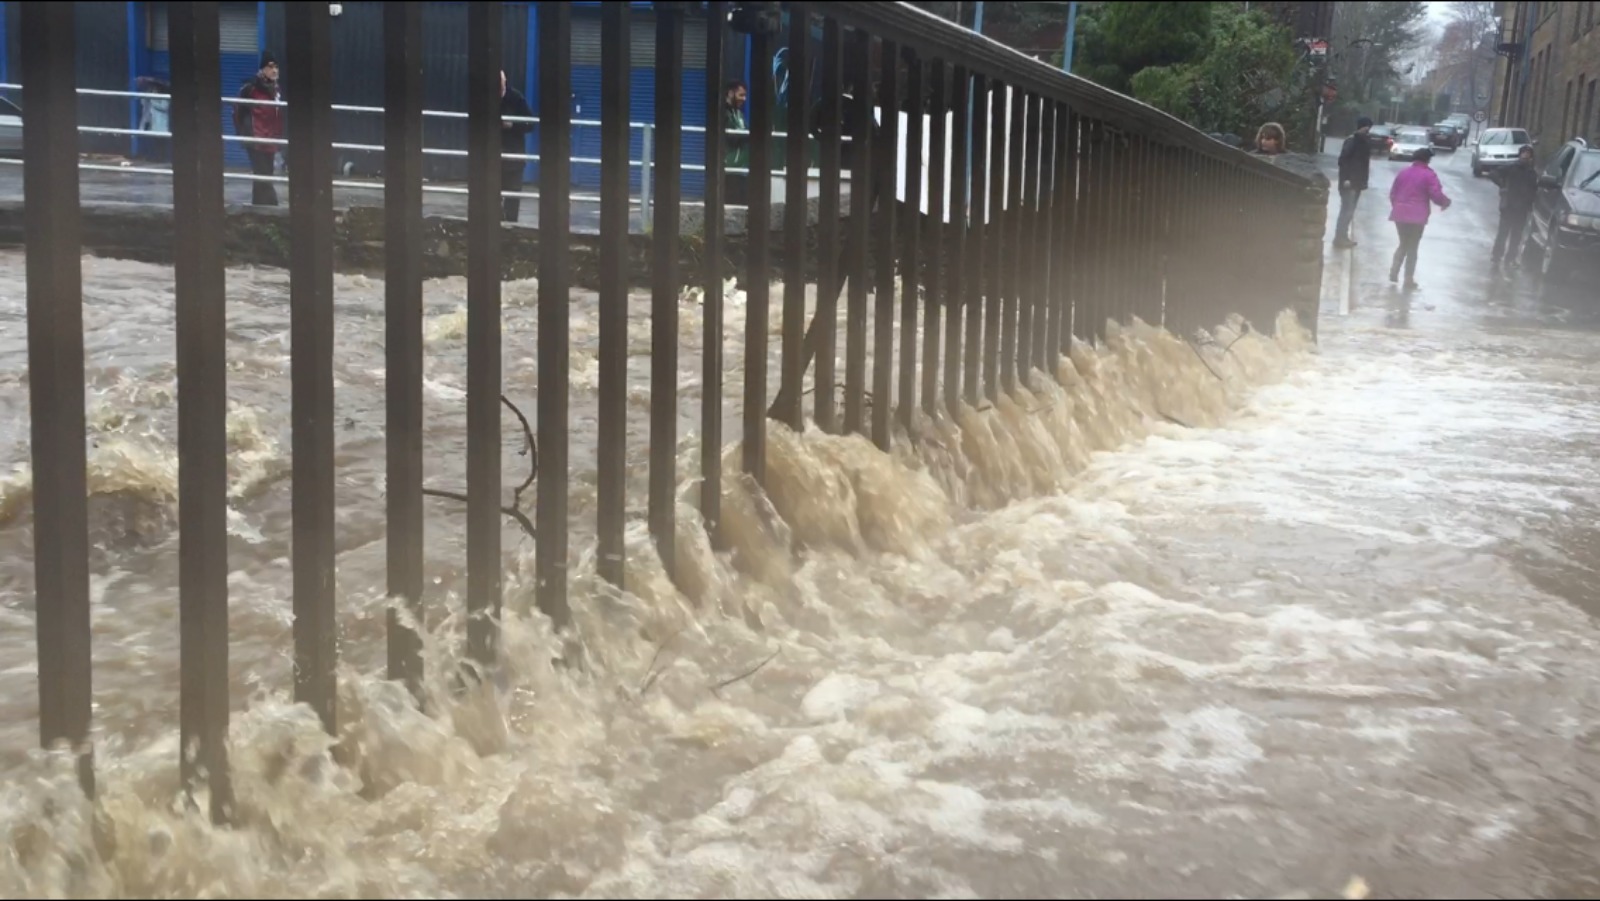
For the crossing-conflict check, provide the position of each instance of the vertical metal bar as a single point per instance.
(310, 158)
(978, 234)
(55, 379)
(885, 151)
(647, 143)
(1163, 181)
(555, 286)
(711, 312)
(1139, 179)
(1066, 246)
(1114, 194)
(758, 291)
(484, 565)
(829, 276)
(1056, 237)
(936, 264)
(1096, 226)
(797, 164)
(996, 255)
(955, 292)
(911, 275)
(1027, 266)
(612, 465)
(1044, 233)
(200, 294)
(402, 210)
(859, 228)
(664, 285)
(1090, 259)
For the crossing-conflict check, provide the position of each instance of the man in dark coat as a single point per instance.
(1519, 185)
(513, 139)
(1355, 167)
(260, 120)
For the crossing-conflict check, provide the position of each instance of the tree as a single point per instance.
(1466, 50)
(1244, 73)
(1116, 41)
(1370, 38)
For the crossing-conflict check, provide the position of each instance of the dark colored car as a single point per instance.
(1445, 134)
(1380, 138)
(1564, 232)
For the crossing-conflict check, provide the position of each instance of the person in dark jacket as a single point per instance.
(737, 156)
(258, 120)
(513, 139)
(1355, 167)
(1518, 186)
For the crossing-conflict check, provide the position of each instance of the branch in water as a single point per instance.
(530, 448)
(717, 689)
(521, 518)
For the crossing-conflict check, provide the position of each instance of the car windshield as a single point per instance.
(1502, 138)
(1586, 171)
(1413, 134)
(1382, 130)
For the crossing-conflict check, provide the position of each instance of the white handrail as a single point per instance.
(644, 164)
(378, 110)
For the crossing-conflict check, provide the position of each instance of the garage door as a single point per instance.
(642, 85)
(241, 57)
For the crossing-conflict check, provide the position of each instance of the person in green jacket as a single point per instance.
(737, 156)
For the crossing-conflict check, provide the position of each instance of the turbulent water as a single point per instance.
(1226, 618)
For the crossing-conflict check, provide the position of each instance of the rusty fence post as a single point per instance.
(664, 285)
(200, 294)
(403, 345)
(310, 160)
(758, 287)
(611, 475)
(555, 283)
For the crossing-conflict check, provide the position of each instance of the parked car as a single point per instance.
(1497, 148)
(1445, 134)
(1564, 232)
(1463, 124)
(1407, 141)
(10, 128)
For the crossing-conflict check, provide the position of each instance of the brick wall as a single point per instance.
(1553, 89)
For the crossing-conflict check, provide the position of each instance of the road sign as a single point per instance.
(1480, 116)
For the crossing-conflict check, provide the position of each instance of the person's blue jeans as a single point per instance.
(1348, 198)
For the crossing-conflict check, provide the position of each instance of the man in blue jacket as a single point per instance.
(1355, 166)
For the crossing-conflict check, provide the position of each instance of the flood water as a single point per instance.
(1293, 620)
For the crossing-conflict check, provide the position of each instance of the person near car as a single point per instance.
(1411, 198)
(261, 119)
(1355, 167)
(513, 140)
(1271, 140)
(1519, 185)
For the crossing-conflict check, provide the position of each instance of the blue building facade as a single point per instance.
(122, 40)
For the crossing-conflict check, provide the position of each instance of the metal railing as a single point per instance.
(646, 162)
(1082, 206)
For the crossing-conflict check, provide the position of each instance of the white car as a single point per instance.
(1407, 141)
(10, 128)
(1497, 148)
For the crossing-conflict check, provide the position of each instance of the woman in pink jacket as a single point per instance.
(1414, 189)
